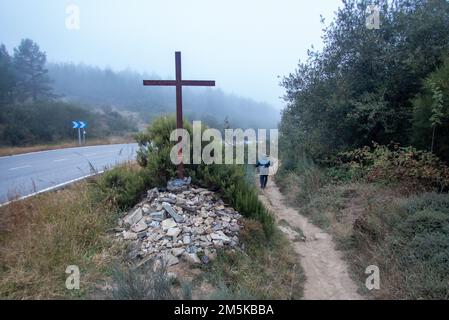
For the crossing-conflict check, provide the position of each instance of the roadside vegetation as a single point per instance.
(396, 220)
(43, 235)
(28, 126)
(363, 143)
(31, 113)
(10, 151)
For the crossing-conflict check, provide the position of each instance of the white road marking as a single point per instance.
(89, 154)
(69, 149)
(18, 168)
(60, 160)
(58, 186)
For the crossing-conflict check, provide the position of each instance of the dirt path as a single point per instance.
(326, 273)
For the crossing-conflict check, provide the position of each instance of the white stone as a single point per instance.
(139, 226)
(170, 260)
(127, 235)
(177, 251)
(191, 258)
(168, 223)
(173, 232)
(186, 239)
(134, 217)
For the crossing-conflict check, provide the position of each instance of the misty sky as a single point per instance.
(243, 45)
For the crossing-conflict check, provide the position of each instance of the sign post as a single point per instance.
(80, 125)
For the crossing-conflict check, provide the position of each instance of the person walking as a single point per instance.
(263, 164)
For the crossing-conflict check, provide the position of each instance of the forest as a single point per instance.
(39, 100)
(372, 86)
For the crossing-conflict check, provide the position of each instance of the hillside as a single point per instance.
(124, 91)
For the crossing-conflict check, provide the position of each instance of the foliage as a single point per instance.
(304, 177)
(431, 113)
(32, 78)
(360, 87)
(123, 89)
(229, 180)
(144, 283)
(51, 121)
(267, 268)
(7, 76)
(414, 168)
(155, 147)
(121, 187)
(41, 236)
(416, 234)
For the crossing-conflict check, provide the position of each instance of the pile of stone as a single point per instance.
(184, 223)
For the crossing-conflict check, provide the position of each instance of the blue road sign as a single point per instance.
(79, 124)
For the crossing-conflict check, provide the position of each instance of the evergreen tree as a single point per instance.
(32, 79)
(7, 76)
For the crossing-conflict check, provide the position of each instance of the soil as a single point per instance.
(326, 272)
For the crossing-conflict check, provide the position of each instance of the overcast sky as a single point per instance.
(242, 44)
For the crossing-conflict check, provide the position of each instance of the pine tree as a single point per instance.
(32, 79)
(7, 76)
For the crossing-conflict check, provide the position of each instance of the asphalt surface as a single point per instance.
(27, 174)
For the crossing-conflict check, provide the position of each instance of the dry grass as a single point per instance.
(264, 270)
(9, 151)
(41, 236)
(374, 225)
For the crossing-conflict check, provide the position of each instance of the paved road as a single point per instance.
(26, 174)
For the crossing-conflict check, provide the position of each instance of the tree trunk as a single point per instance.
(433, 139)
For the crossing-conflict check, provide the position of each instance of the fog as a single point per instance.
(243, 45)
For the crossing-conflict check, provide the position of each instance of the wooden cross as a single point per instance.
(179, 83)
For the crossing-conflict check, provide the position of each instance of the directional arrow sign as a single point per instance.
(79, 124)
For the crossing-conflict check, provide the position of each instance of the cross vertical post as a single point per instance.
(179, 83)
(179, 109)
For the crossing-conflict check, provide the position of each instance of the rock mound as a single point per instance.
(188, 224)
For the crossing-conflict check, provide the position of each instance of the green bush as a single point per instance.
(155, 147)
(415, 169)
(421, 241)
(413, 236)
(230, 181)
(51, 121)
(304, 178)
(122, 186)
(144, 283)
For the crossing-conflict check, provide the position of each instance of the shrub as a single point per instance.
(303, 180)
(121, 187)
(155, 147)
(266, 269)
(230, 181)
(410, 241)
(421, 241)
(413, 168)
(144, 283)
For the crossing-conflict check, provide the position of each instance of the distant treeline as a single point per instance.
(124, 90)
(50, 122)
(30, 111)
(368, 85)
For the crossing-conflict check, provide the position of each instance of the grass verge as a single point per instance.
(10, 151)
(266, 269)
(41, 236)
(406, 236)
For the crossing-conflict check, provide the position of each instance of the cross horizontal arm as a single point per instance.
(159, 82)
(198, 83)
(191, 83)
